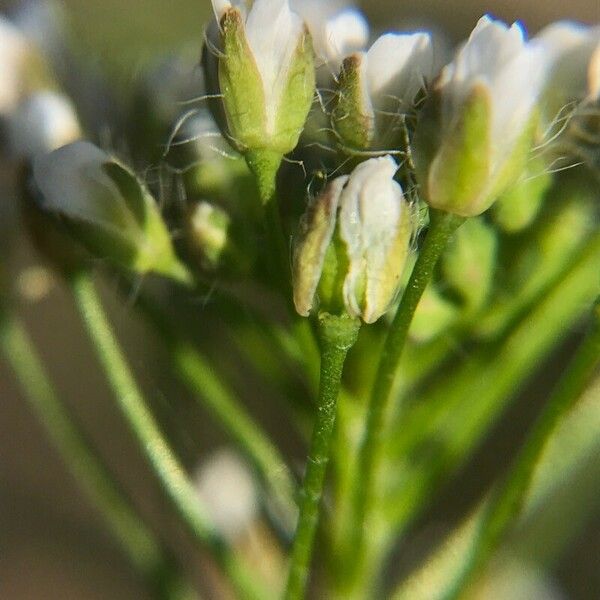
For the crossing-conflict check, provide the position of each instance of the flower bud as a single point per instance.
(353, 244)
(105, 208)
(475, 139)
(43, 122)
(208, 228)
(265, 74)
(377, 87)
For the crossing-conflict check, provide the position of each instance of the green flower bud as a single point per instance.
(353, 244)
(265, 74)
(377, 87)
(106, 208)
(475, 139)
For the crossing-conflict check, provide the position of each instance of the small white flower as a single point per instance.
(227, 490)
(365, 218)
(273, 33)
(377, 86)
(512, 72)
(489, 96)
(41, 123)
(573, 52)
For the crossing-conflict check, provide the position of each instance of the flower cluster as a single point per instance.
(333, 204)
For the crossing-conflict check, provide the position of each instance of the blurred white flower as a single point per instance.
(106, 208)
(273, 33)
(573, 51)
(337, 30)
(365, 219)
(41, 123)
(228, 492)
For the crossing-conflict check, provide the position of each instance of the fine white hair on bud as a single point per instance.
(105, 208)
(377, 86)
(43, 122)
(353, 244)
(488, 99)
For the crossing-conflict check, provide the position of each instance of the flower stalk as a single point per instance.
(338, 335)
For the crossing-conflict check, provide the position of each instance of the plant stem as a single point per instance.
(199, 376)
(507, 501)
(338, 335)
(442, 226)
(160, 456)
(137, 540)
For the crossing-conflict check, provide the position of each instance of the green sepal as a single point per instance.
(353, 118)
(458, 177)
(241, 85)
(297, 98)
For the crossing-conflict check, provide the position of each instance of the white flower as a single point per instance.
(337, 30)
(510, 71)
(228, 491)
(573, 51)
(41, 123)
(365, 218)
(489, 96)
(273, 33)
(105, 207)
(377, 86)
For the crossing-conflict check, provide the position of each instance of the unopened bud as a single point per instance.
(353, 244)
(265, 74)
(475, 140)
(379, 86)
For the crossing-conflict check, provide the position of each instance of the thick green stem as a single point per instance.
(160, 456)
(199, 376)
(338, 335)
(442, 226)
(137, 540)
(507, 501)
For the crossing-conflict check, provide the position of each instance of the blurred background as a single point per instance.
(52, 543)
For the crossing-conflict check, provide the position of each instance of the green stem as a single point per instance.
(137, 540)
(338, 335)
(165, 465)
(442, 226)
(507, 501)
(199, 376)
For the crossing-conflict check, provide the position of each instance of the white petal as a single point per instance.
(398, 65)
(571, 48)
(370, 208)
(72, 182)
(220, 7)
(273, 33)
(345, 33)
(42, 123)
